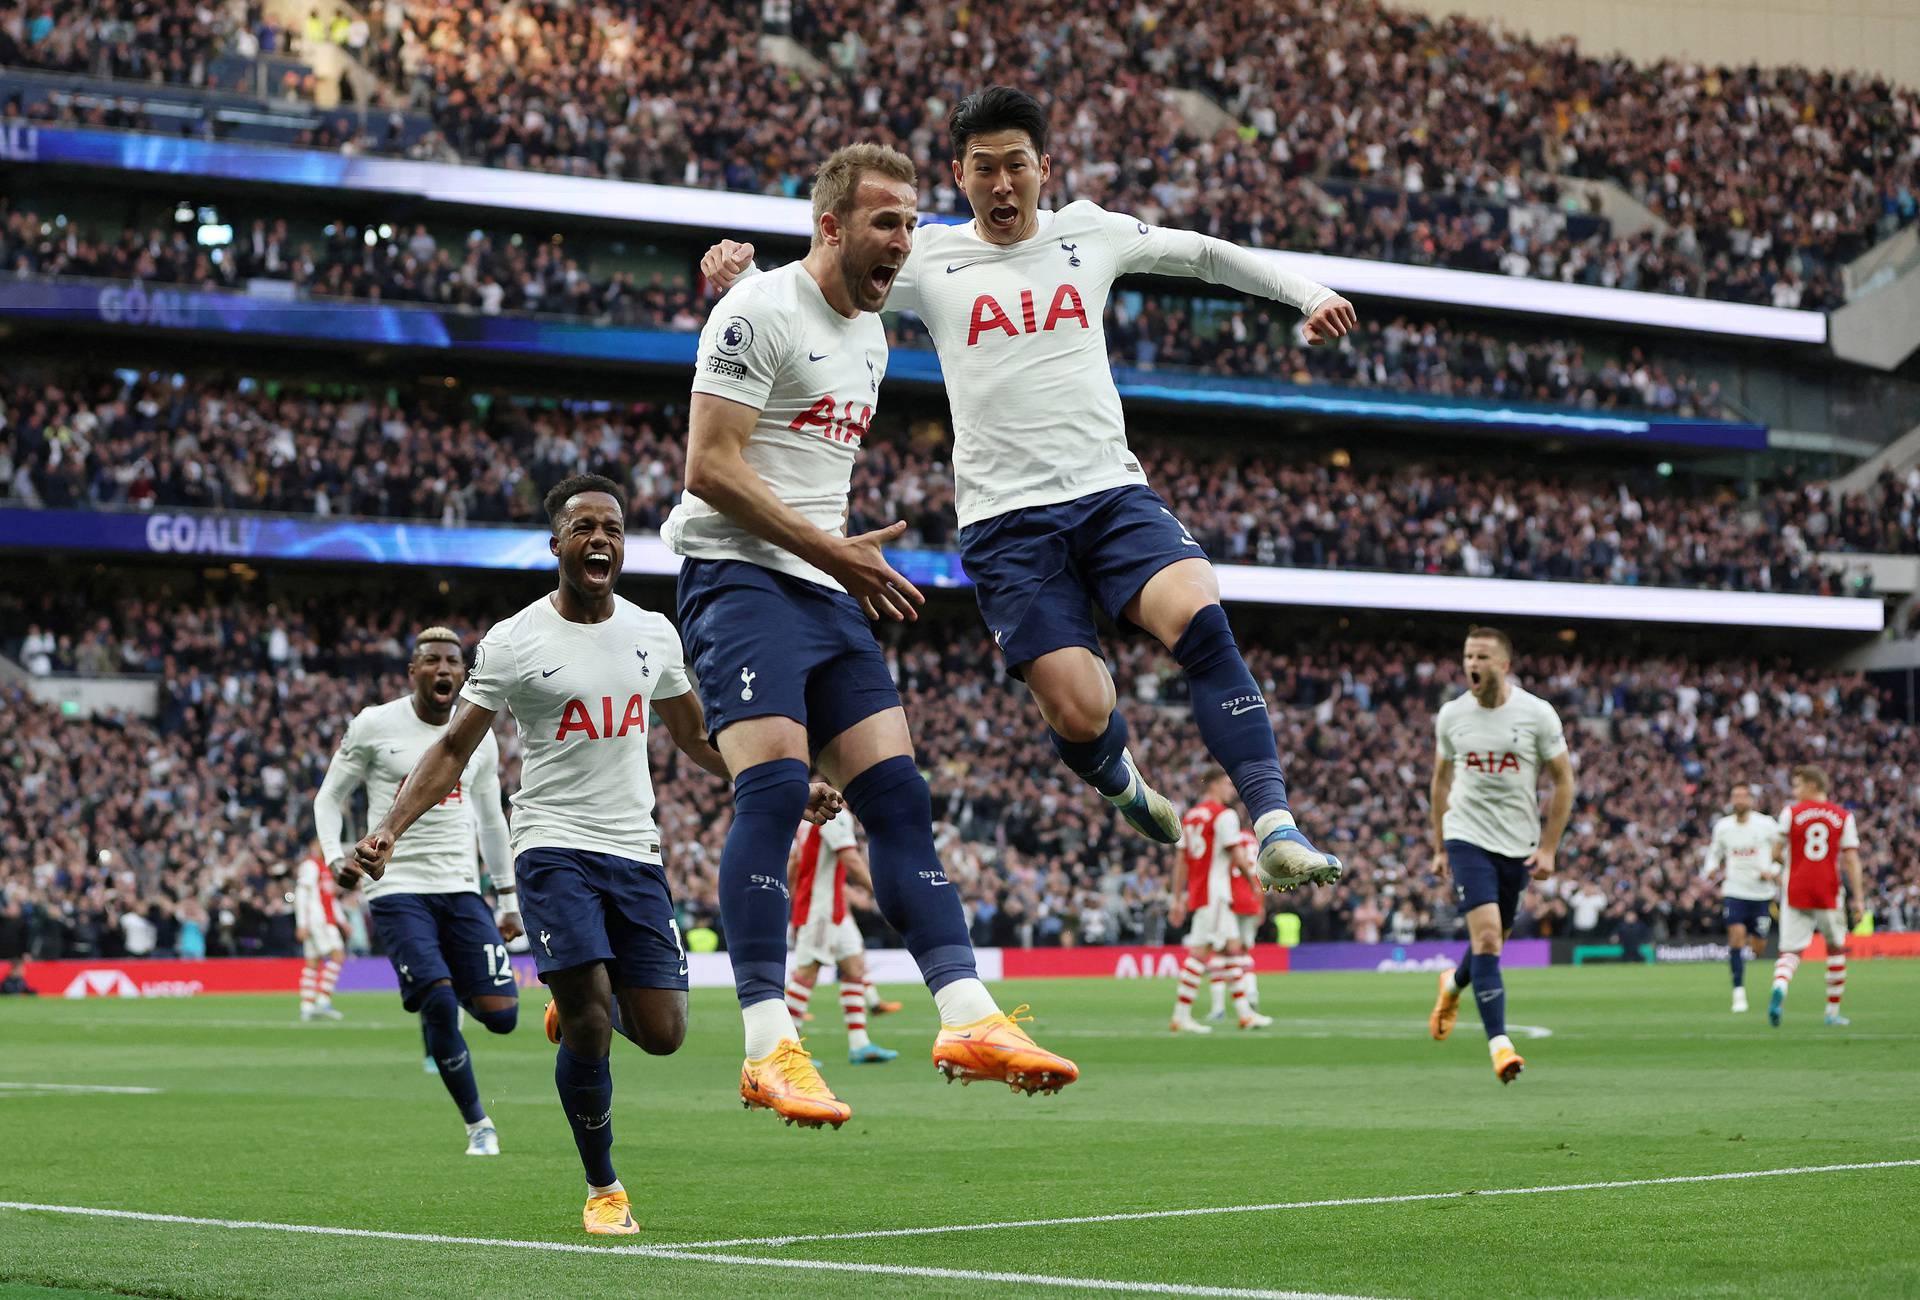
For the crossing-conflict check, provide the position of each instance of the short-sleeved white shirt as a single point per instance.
(580, 695)
(1497, 755)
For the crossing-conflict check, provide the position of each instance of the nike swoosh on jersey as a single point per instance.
(551, 671)
(961, 266)
(820, 357)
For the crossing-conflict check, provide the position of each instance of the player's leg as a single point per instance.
(1737, 957)
(1796, 932)
(800, 990)
(1833, 924)
(754, 639)
(1180, 607)
(871, 761)
(1034, 603)
(408, 927)
(1193, 973)
(309, 980)
(1232, 959)
(474, 951)
(1249, 927)
(850, 969)
(332, 959)
(878, 1005)
(768, 756)
(583, 1078)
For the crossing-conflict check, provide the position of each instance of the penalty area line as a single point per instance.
(680, 1254)
(1336, 1203)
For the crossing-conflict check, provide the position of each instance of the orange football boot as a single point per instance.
(1507, 1064)
(997, 1048)
(786, 1082)
(884, 1008)
(609, 1216)
(1446, 1009)
(551, 1021)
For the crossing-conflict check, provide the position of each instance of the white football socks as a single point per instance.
(965, 1001)
(767, 1023)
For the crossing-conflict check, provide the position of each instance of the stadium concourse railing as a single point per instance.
(279, 314)
(137, 977)
(703, 214)
(248, 535)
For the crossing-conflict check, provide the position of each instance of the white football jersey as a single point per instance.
(580, 694)
(774, 344)
(819, 883)
(1023, 346)
(1497, 755)
(1745, 850)
(436, 855)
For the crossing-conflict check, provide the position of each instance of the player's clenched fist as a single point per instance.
(1335, 319)
(723, 263)
(823, 803)
(372, 852)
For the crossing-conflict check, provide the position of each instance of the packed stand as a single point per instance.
(172, 42)
(188, 823)
(155, 445)
(1446, 144)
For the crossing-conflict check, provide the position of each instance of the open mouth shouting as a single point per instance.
(1003, 217)
(598, 565)
(443, 689)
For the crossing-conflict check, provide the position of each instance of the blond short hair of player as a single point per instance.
(1495, 635)
(429, 635)
(1813, 776)
(838, 179)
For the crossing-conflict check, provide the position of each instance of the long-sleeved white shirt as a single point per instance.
(436, 855)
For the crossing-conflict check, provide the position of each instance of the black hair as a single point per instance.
(569, 488)
(997, 108)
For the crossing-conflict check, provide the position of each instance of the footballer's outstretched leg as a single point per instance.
(1076, 697)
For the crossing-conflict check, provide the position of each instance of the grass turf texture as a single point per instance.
(1646, 1075)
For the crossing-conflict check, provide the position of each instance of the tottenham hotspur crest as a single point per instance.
(1073, 258)
(746, 683)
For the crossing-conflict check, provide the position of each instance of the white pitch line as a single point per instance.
(686, 1256)
(1404, 1199)
(79, 1088)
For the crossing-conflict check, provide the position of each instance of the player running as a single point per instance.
(1492, 743)
(580, 670)
(1203, 887)
(824, 859)
(447, 946)
(316, 921)
(1055, 513)
(772, 596)
(1815, 833)
(1742, 853)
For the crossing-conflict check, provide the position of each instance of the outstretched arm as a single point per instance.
(1437, 795)
(1161, 250)
(431, 779)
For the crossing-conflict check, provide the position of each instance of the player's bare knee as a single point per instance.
(662, 1033)
(498, 1014)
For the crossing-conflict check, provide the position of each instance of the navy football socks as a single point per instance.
(1737, 958)
(586, 1094)
(1231, 712)
(768, 802)
(893, 804)
(440, 1022)
(1100, 761)
(1490, 991)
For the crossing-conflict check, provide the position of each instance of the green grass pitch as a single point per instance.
(1645, 1075)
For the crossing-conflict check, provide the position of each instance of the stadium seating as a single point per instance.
(210, 444)
(255, 697)
(1468, 148)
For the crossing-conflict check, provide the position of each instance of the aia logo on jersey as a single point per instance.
(1493, 764)
(453, 797)
(988, 315)
(847, 423)
(577, 718)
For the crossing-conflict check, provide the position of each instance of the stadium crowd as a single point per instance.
(176, 833)
(175, 42)
(154, 443)
(1358, 128)
(493, 272)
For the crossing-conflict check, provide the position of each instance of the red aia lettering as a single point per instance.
(988, 314)
(848, 425)
(1494, 763)
(453, 795)
(575, 717)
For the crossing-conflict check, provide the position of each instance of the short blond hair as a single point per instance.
(428, 635)
(1493, 634)
(838, 179)
(1813, 776)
